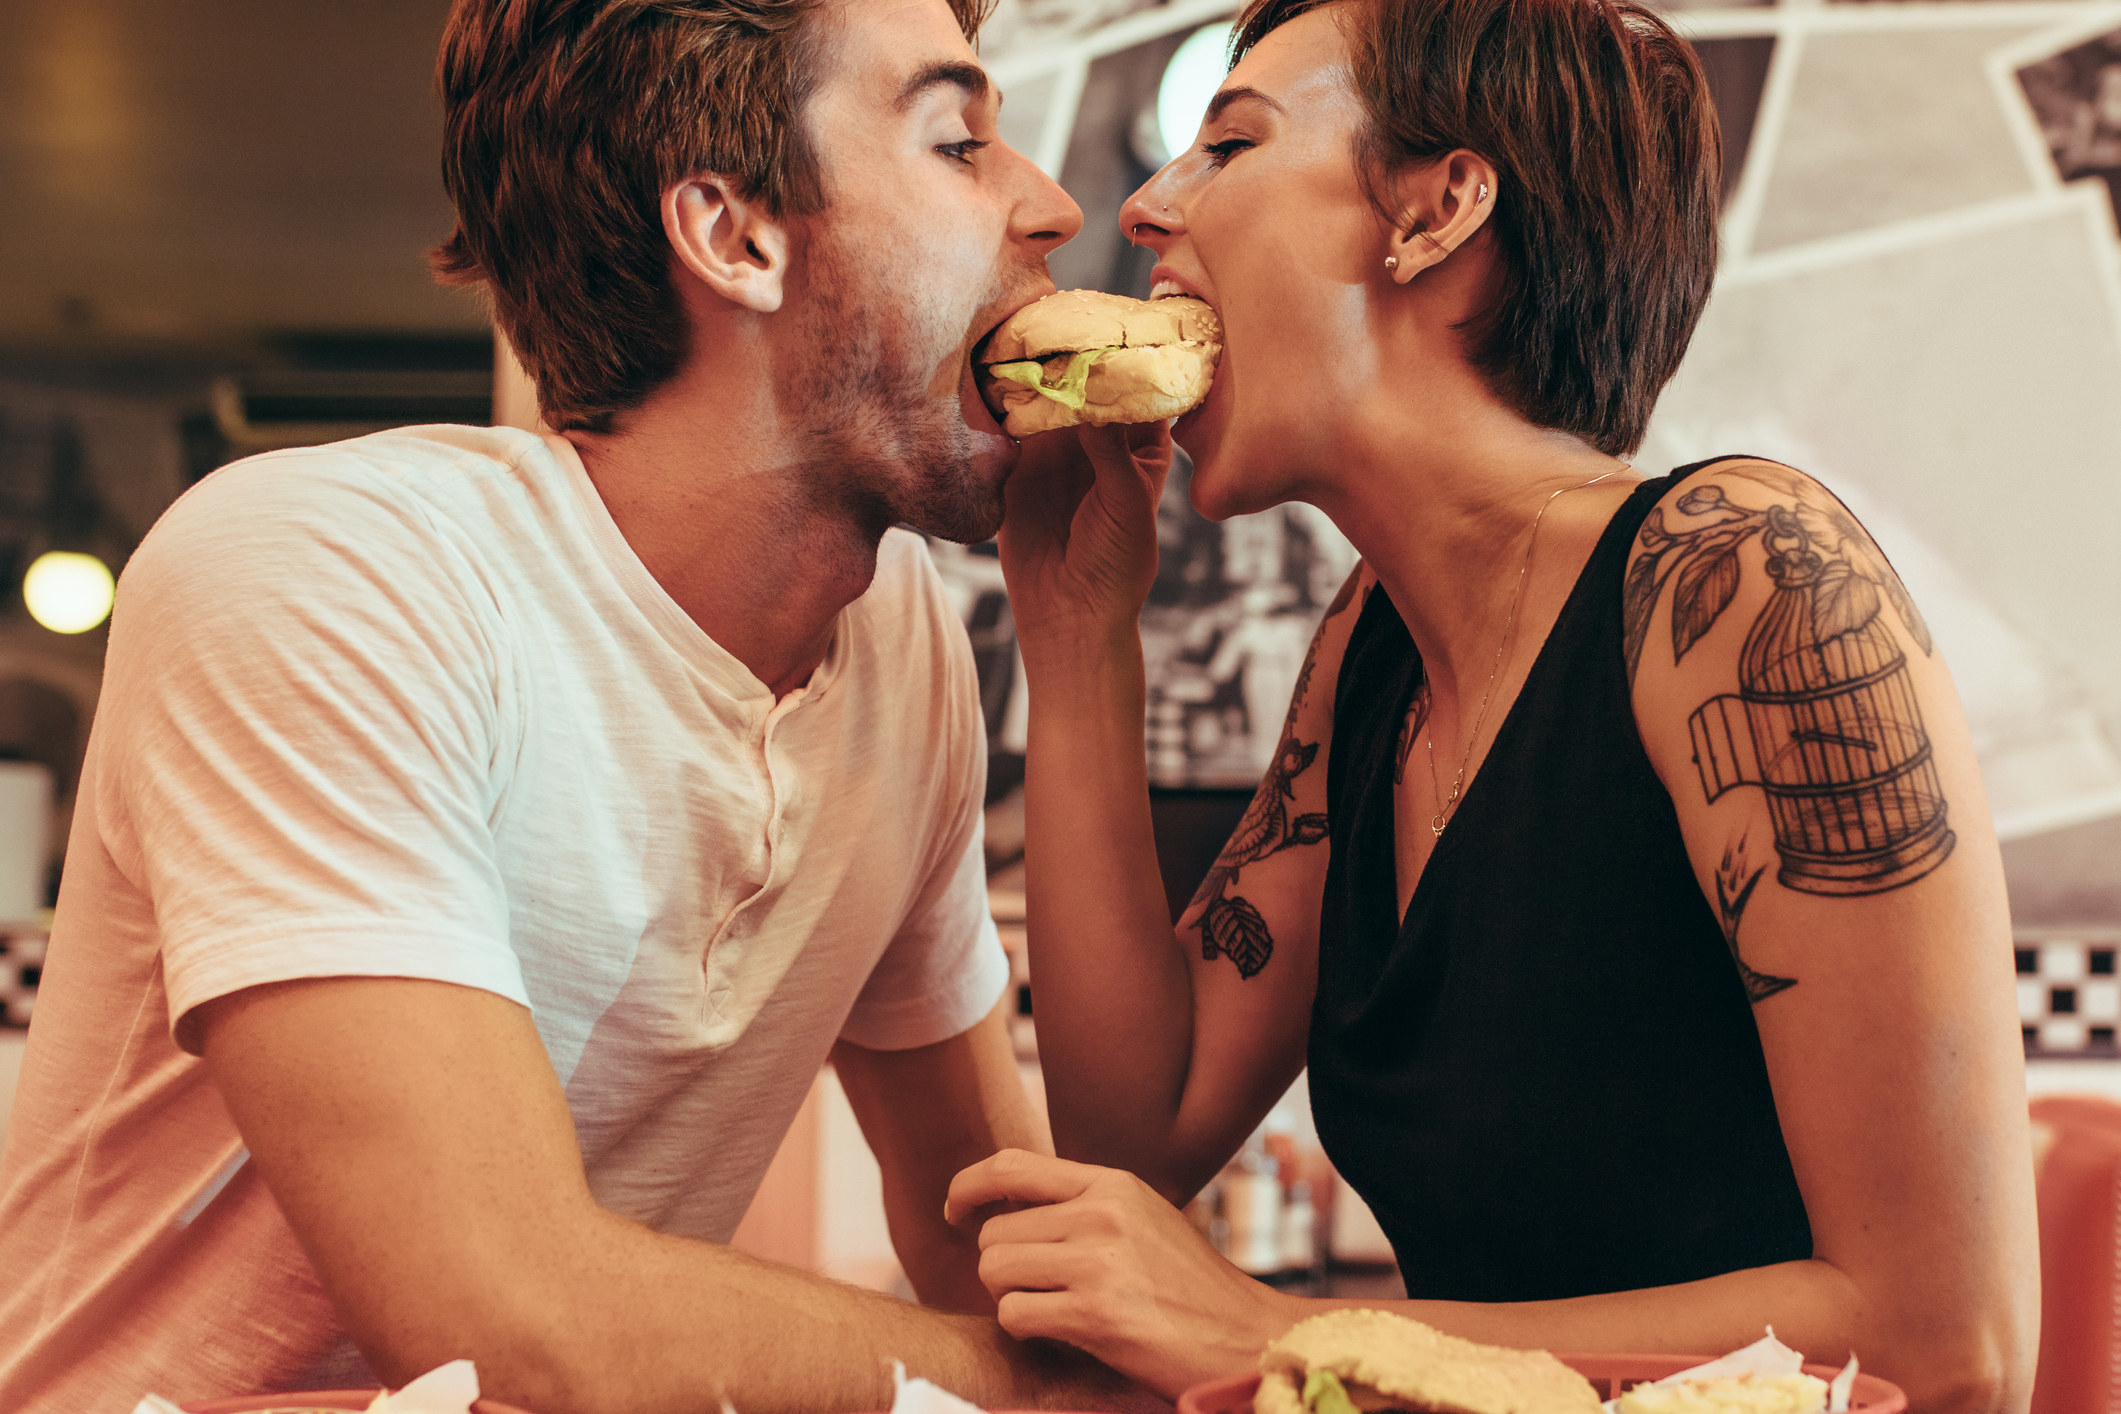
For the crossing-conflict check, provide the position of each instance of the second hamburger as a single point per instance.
(1085, 357)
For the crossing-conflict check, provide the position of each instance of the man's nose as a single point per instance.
(1046, 215)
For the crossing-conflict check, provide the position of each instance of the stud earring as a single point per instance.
(1483, 192)
(1391, 262)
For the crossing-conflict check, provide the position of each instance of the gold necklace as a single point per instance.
(1458, 782)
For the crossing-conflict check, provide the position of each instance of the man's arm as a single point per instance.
(416, 1137)
(928, 1112)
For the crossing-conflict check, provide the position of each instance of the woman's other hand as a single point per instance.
(1092, 1256)
(1079, 541)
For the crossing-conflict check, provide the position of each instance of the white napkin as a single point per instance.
(446, 1389)
(918, 1396)
(1765, 1356)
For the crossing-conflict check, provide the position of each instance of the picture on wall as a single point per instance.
(2076, 95)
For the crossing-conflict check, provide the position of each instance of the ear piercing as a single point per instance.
(1442, 250)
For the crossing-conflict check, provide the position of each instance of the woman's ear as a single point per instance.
(727, 241)
(1443, 204)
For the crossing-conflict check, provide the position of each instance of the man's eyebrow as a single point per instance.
(969, 77)
(1225, 97)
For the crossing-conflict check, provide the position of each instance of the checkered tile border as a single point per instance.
(21, 964)
(2069, 992)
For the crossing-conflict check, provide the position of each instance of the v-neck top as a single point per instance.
(1545, 1079)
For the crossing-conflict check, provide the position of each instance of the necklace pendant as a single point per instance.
(1436, 825)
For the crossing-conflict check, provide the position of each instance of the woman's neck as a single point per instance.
(1442, 504)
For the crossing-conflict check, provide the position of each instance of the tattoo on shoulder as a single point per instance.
(1230, 925)
(1825, 720)
(1734, 890)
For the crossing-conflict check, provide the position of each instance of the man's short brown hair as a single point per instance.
(1599, 121)
(565, 120)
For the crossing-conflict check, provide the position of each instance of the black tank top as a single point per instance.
(1546, 1080)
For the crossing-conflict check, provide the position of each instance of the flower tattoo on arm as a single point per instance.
(1231, 925)
(1826, 720)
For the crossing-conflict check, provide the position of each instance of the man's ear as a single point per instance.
(1443, 204)
(729, 242)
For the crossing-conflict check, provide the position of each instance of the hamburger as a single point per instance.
(1360, 1362)
(1082, 356)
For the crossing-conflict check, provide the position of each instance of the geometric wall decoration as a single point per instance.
(1887, 126)
(2076, 96)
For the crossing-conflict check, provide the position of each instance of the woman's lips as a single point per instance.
(1165, 281)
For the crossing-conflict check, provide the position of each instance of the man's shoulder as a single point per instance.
(384, 516)
(404, 469)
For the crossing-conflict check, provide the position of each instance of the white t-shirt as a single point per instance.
(409, 706)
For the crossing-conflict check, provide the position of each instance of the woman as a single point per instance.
(1624, 876)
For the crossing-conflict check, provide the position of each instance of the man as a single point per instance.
(485, 838)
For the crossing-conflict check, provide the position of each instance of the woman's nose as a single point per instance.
(1148, 217)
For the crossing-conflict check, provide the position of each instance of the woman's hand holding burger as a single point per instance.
(1087, 379)
(1079, 540)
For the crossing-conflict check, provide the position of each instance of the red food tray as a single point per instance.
(1610, 1375)
(317, 1399)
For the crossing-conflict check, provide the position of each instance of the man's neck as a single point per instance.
(710, 489)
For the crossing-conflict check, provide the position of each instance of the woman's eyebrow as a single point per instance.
(1227, 96)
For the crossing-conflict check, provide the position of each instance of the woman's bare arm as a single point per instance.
(1161, 1049)
(1792, 701)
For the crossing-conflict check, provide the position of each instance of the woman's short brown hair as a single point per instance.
(565, 120)
(1599, 121)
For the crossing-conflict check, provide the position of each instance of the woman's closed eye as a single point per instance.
(1221, 152)
(962, 151)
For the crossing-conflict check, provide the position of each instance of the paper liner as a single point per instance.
(1765, 1356)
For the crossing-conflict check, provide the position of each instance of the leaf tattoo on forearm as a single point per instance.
(1734, 890)
(1826, 719)
(1230, 925)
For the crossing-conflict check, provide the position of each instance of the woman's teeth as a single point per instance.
(1166, 287)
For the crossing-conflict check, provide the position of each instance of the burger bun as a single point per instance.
(1157, 359)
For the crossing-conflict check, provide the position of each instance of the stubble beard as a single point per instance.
(880, 440)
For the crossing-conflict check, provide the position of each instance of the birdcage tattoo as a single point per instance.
(1826, 721)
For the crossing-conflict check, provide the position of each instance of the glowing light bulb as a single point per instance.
(1190, 80)
(68, 592)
